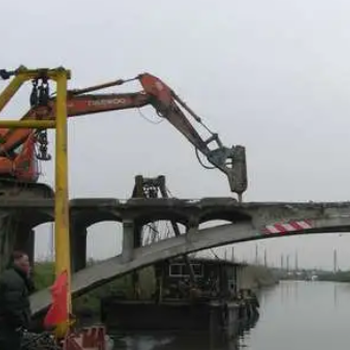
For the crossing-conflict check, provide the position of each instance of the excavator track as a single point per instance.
(11, 188)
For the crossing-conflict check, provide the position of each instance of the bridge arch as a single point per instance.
(18, 230)
(162, 229)
(89, 217)
(201, 240)
(179, 216)
(103, 239)
(44, 241)
(206, 238)
(227, 215)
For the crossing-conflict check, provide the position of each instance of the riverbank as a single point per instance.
(257, 276)
(339, 276)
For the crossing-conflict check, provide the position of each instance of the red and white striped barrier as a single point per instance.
(292, 226)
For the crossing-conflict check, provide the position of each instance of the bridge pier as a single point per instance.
(137, 240)
(129, 233)
(78, 247)
(192, 228)
(14, 235)
(25, 240)
(7, 239)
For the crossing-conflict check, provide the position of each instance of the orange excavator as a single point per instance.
(20, 149)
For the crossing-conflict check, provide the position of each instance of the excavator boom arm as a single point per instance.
(77, 105)
(167, 104)
(231, 161)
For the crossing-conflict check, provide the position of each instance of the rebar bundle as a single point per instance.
(39, 341)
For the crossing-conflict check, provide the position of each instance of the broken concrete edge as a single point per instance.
(173, 202)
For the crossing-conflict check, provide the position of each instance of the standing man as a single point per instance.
(15, 288)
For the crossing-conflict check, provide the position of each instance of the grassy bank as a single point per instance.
(257, 276)
(44, 275)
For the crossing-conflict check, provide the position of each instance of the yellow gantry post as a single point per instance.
(12, 88)
(62, 241)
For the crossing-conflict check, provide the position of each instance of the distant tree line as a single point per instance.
(339, 276)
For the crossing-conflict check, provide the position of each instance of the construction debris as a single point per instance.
(42, 341)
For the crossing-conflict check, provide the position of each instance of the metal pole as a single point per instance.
(28, 124)
(62, 242)
(11, 90)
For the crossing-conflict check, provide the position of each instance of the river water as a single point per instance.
(294, 315)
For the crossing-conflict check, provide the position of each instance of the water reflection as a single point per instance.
(193, 341)
(294, 315)
(174, 342)
(303, 315)
(296, 290)
(335, 295)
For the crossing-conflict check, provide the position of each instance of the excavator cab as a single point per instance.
(26, 164)
(21, 162)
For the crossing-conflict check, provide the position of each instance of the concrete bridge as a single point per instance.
(250, 221)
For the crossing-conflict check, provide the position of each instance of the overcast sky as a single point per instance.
(272, 75)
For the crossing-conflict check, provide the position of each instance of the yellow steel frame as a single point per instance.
(62, 242)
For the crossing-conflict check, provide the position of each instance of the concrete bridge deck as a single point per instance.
(186, 211)
(251, 221)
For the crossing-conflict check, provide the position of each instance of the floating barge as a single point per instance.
(197, 295)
